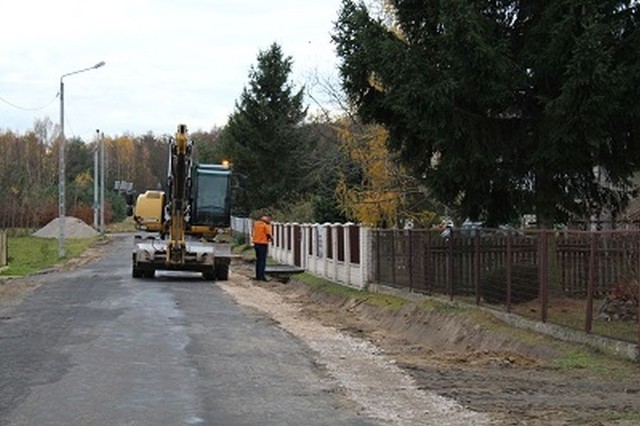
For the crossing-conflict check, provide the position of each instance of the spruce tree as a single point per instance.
(264, 138)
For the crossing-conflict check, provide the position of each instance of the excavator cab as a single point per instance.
(211, 206)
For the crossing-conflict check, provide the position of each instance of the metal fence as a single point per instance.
(584, 280)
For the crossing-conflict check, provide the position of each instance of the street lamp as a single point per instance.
(96, 202)
(61, 166)
(102, 165)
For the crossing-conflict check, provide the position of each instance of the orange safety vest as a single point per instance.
(261, 232)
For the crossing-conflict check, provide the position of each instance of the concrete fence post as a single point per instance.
(288, 244)
(366, 256)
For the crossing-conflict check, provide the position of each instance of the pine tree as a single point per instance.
(263, 137)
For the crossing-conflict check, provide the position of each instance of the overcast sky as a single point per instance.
(167, 61)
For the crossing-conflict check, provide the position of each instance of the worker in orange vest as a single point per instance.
(261, 239)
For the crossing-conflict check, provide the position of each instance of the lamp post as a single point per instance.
(61, 165)
(96, 203)
(102, 166)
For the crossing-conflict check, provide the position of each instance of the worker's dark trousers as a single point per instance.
(261, 260)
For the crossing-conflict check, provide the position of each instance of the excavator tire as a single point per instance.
(209, 275)
(222, 271)
(135, 272)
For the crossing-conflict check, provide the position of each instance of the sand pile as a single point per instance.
(73, 228)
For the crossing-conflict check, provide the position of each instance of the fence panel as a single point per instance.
(354, 244)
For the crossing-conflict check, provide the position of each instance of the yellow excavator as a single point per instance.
(186, 226)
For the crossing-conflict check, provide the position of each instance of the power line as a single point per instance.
(29, 109)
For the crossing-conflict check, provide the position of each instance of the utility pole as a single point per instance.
(61, 177)
(61, 162)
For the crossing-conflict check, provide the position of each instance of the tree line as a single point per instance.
(29, 174)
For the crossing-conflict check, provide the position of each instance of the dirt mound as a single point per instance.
(73, 228)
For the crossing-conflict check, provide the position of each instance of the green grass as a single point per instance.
(27, 255)
(378, 299)
(248, 253)
(246, 250)
(329, 287)
(571, 357)
(583, 359)
(126, 225)
(572, 314)
(627, 417)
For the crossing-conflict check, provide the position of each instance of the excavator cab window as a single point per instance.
(212, 203)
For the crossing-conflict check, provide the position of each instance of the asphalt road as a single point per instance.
(96, 347)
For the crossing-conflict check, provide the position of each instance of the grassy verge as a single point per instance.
(570, 358)
(126, 225)
(247, 252)
(377, 299)
(27, 254)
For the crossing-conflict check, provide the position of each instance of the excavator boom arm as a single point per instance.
(179, 169)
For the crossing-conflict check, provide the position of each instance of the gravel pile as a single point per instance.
(73, 228)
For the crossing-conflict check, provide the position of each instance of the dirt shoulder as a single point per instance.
(515, 376)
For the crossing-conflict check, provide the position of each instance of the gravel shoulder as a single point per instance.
(381, 388)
